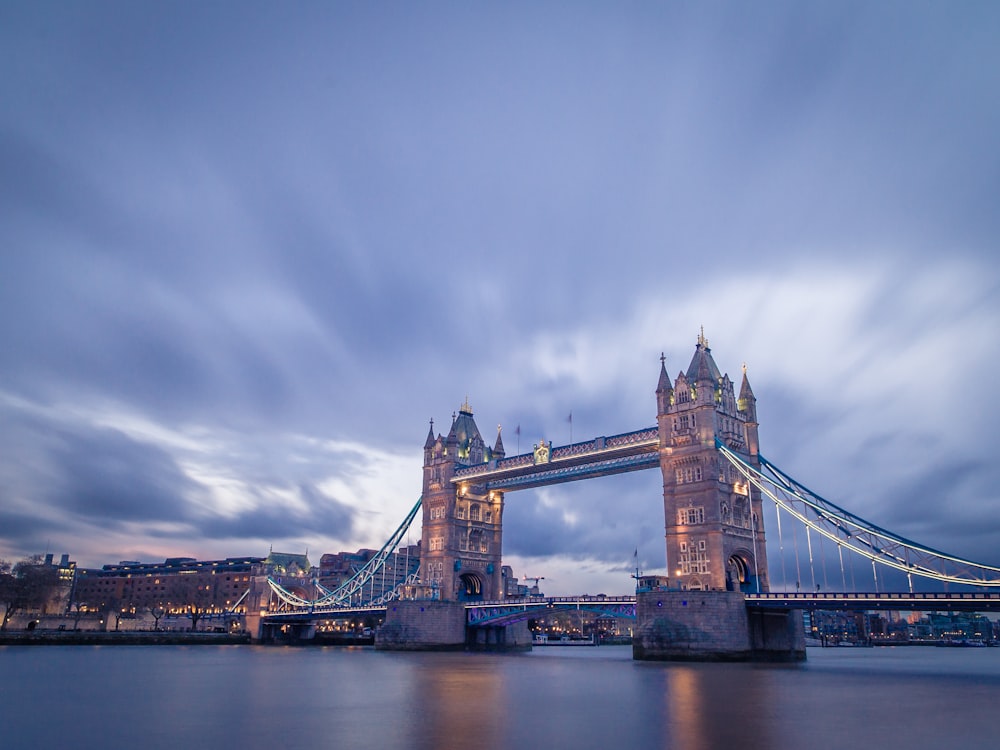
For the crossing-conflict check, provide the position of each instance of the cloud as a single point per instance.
(71, 475)
(245, 265)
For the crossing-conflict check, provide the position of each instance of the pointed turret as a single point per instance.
(702, 365)
(664, 390)
(466, 438)
(747, 402)
(498, 451)
(429, 442)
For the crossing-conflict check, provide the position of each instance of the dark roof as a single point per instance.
(702, 365)
(288, 561)
(464, 431)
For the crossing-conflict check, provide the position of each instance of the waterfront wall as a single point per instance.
(713, 626)
(123, 638)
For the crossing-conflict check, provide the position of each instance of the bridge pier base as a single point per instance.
(422, 625)
(289, 634)
(253, 622)
(713, 626)
(512, 637)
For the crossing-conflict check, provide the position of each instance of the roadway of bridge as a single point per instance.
(505, 611)
(512, 610)
(862, 602)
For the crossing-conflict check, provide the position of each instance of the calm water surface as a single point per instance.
(159, 697)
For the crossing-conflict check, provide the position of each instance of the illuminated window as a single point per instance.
(692, 562)
(435, 571)
(690, 516)
(688, 474)
(474, 512)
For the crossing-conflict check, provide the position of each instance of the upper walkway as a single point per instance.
(601, 456)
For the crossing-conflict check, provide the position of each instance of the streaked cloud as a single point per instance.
(241, 265)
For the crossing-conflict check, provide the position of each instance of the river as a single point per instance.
(248, 697)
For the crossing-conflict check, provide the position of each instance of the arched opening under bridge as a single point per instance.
(738, 573)
(471, 587)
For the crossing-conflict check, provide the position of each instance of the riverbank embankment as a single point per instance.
(128, 638)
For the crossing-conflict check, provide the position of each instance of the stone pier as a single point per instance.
(422, 625)
(428, 625)
(713, 626)
(512, 637)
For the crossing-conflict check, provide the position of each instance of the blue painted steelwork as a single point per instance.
(862, 602)
(344, 596)
(637, 450)
(542, 477)
(327, 613)
(509, 611)
(857, 535)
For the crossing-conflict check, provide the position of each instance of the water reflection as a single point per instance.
(458, 697)
(163, 698)
(712, 706)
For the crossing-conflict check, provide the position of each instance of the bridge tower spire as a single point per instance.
(714, 536)
(461, 539)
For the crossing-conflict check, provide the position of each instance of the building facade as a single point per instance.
(461, 540)
(714, 534)
(177, 586)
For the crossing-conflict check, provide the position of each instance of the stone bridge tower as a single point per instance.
(714, 536)
(461, 541)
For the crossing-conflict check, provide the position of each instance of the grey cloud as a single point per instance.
(108, 479)
(611, 517)
(323, 515)
(337, 224)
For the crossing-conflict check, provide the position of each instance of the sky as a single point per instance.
(248, 250)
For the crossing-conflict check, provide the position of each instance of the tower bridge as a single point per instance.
(715, 601)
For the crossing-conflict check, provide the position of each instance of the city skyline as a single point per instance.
(250, 252)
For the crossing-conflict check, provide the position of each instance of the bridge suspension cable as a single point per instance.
(855, 533)
(353, 588)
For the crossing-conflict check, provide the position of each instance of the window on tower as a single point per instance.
(690, 516)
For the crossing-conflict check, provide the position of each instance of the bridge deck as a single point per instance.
(861, 601)
(495, 612)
